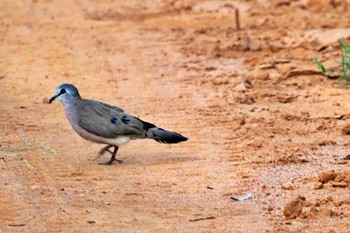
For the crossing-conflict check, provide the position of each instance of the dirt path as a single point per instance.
(257, 122)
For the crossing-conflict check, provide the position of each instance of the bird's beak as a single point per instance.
(53, 98)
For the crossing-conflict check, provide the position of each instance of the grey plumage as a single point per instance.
(102, 123)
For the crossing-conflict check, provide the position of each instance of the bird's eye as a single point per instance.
(62, 91)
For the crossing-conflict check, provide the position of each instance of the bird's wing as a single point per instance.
(108, 121)
(113, 108)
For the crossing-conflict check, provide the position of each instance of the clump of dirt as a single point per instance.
(294, 208)
(339, 179)
(319, 212)
(302, 208)
(299, 207)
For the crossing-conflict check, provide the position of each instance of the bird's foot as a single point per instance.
(110, 162)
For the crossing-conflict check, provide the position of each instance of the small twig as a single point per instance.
(208, 187)
(301, 72)
(200, 219)
(27, 163)
(238, 26)
(16, 224)
(294, 73)
(24, 161)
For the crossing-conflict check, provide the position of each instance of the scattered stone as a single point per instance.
(307, 203)
(34, 187)
(339, 184)
(242, 122)
(343, 176)
(327, 143)
(337, 203)
(346, 130)
(282, 61)
(325, 212)
(319, 185)
(259, 74)
(282, 3)
(248, 84)
(220, 81)
(310, 214)
(327, 176)
(285, 99)
(266, 66)
(287, 187)
(246, 100)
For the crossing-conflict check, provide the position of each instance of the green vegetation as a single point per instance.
(319, 64)
(345, 62)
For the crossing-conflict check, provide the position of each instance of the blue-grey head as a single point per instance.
(66, 93)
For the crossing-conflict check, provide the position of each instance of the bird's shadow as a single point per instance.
(161, 159)
(137, 159)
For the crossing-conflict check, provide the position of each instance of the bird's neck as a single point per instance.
(70, 102)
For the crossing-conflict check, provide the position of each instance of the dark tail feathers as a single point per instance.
(164, 136)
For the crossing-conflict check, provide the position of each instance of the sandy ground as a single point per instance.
(259, 116)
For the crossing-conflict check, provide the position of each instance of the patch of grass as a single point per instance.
(345, 62)
(26, 148)
(19, 149)
(319, 64)
(19, 157)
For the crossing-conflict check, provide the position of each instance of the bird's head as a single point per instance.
(65, 93)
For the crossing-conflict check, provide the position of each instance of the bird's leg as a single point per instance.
(110, 162)
(113, 156)
(104, 149)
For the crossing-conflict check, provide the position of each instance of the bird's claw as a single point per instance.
(110, 162)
